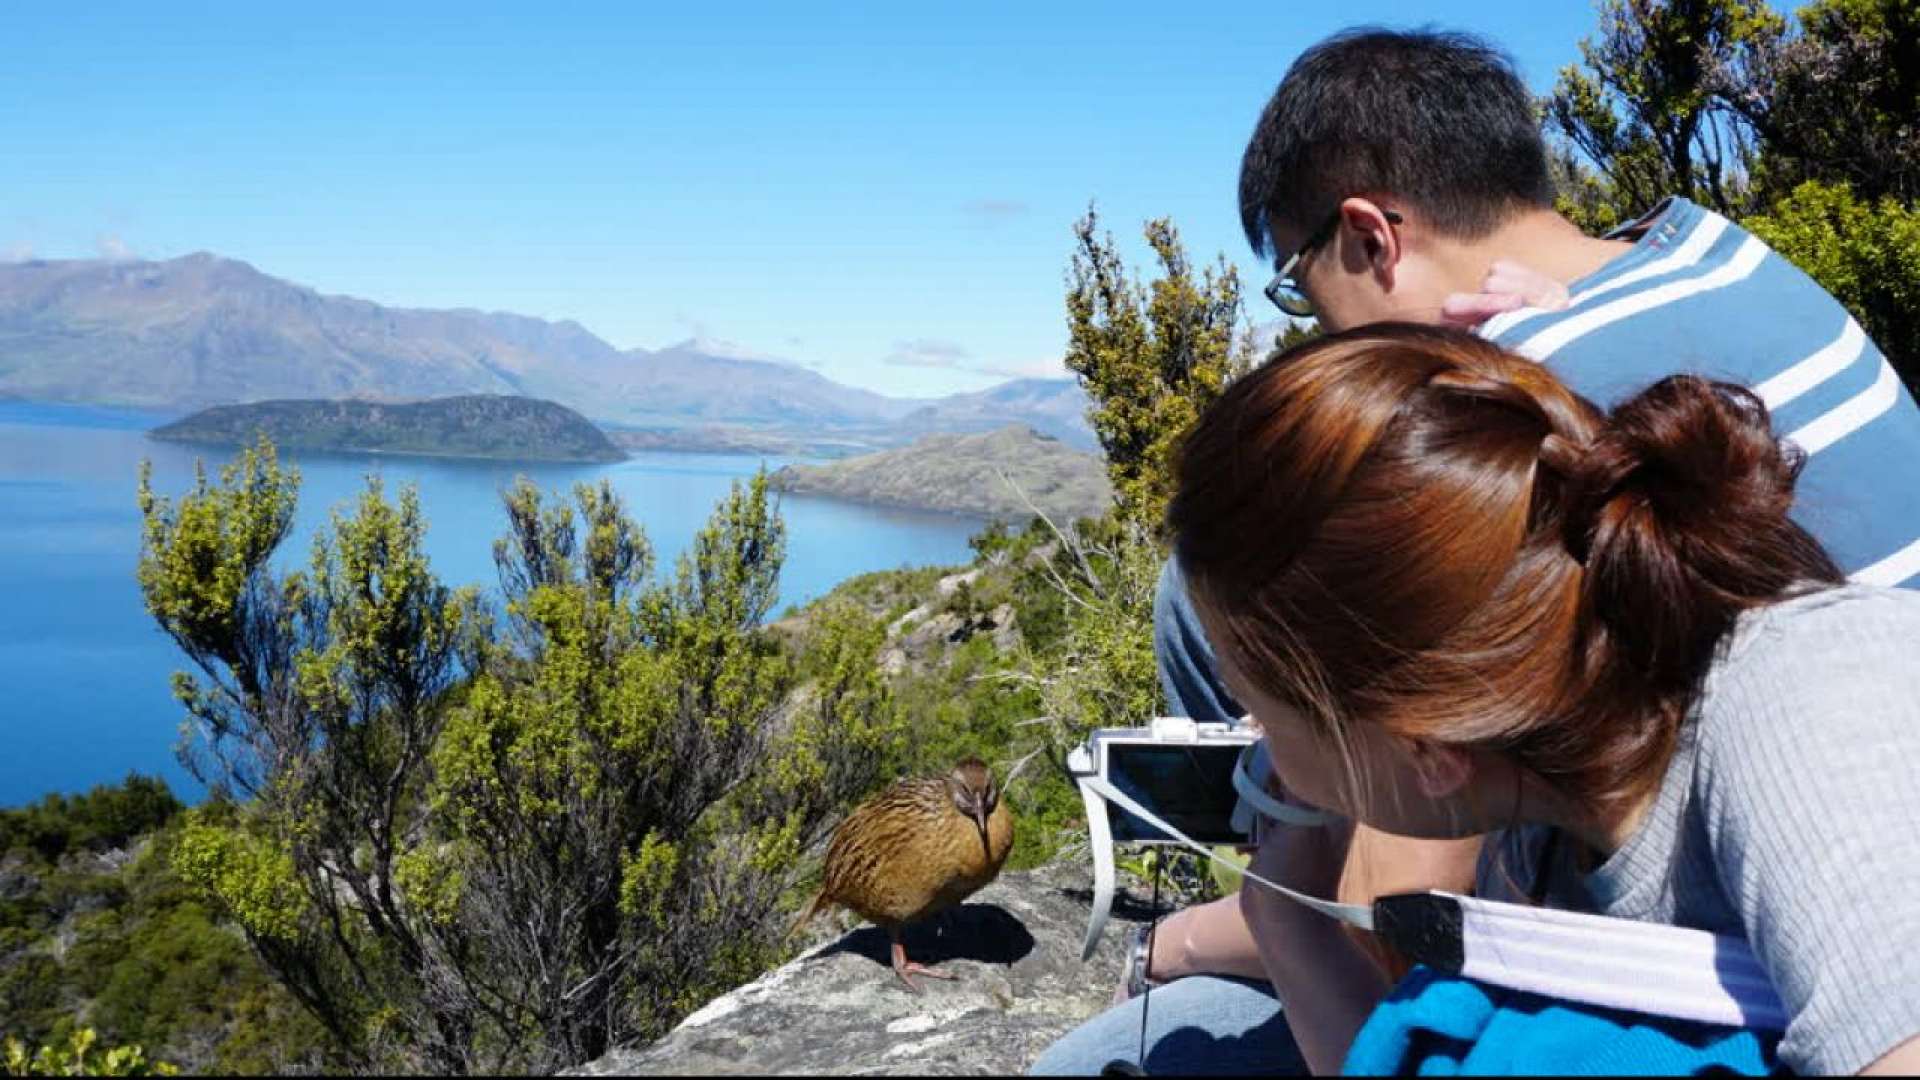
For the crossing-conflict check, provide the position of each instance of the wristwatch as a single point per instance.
(1139, 961)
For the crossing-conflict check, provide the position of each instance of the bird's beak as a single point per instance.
(980, 818)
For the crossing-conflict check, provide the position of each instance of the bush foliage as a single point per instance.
(475, 840)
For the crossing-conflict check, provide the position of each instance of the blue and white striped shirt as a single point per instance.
(1699, 294)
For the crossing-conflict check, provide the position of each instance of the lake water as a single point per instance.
(84, 670)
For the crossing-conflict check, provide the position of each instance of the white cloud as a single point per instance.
(1053, 368)
(112, 247)
(732, 350)
(950, 356)
(994, 211)
(703, 341)
(930, 353)
(703, 338)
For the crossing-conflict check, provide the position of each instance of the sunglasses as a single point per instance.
(1284, 291)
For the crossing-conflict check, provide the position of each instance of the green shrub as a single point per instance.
(76, 1057)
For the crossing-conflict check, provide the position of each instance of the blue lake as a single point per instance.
(84, 671)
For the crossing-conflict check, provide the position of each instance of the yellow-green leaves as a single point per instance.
(75, 1057)
(204, 575)
(1104, 674)
(1150, 357)
(199, 555)
(647, 877)
(386, 618)
(252, 877)
(431, 880)
(730, 574)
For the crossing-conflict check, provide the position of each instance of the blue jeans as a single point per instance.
(1189, 677)
(1199, 1026)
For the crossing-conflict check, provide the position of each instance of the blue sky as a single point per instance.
(880, 192)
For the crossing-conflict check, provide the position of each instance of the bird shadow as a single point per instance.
(985, 933)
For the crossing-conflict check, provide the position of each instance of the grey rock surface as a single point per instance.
(1015, 947)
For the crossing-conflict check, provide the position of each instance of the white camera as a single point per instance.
(1207, 782)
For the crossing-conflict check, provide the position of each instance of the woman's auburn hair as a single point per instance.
(1409, 527)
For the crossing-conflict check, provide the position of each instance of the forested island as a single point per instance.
(472, 425)
(1005, 474)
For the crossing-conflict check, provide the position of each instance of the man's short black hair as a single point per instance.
(1438, 119)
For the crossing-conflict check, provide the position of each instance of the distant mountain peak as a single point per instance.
(201, 329)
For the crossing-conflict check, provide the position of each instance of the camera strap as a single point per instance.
(1359, 915)
(1248, 779)
(1597, 960)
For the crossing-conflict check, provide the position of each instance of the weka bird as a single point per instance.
(915, 850)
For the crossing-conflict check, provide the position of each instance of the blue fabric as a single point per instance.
(1189, 677)
(1438, 1025)
(1199, 1026)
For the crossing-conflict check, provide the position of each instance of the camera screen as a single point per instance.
(1190, 787)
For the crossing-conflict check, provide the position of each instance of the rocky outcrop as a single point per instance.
(1014, 947)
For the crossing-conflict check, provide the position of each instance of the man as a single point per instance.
(1389, 178)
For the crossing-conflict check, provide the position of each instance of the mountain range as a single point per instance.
(202, 330)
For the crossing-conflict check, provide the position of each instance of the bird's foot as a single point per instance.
(906, 968)
(909, 969)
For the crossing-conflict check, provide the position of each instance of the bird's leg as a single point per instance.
(906, 968)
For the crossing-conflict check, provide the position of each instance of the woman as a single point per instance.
(1457, 598)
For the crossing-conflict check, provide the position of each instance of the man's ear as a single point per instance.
(1367, 228)
(1440, 771)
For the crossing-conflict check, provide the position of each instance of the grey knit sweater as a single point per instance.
(1790, 816)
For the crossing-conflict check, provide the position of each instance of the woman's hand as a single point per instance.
(1207, 939)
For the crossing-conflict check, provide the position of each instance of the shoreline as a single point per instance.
(347, 451)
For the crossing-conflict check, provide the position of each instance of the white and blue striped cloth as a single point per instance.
(1699, 294)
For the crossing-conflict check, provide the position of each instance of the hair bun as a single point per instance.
(1684, 493)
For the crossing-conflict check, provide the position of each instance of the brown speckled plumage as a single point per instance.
(915, 850)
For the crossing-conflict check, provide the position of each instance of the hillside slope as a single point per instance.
(987, 475)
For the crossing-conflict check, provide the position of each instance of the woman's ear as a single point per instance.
(1440, 771)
